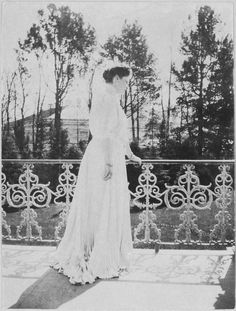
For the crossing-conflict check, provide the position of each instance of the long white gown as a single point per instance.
(97, 242)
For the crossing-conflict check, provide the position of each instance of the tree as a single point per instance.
(220, 106)
(199, 71)
(6, 99)
(39, 134)
(63, 35)
(20, 97)
(169, 103)
(63, 147)
(14, 100)
(152, 127)
(9, 147)
(163, 127)
(39, 125)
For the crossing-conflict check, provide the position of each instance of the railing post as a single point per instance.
(3, 200)
(65, 189)
(224, 195)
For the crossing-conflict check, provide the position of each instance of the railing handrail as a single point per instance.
(153, 161)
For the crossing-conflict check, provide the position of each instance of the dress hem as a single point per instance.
(87, 276)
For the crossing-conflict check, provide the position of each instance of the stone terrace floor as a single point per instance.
(168, 280)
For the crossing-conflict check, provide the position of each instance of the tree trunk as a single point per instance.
(200, 127)
(163, 121)
(138, 116)
(125, 102)
(57, 126)
(152, 126)
(181, 124)
(2, 119)
(200, 117)
(8, 116)
(168, 107)
(132, 115)
(33, 134)
(90, 100)
(132, 121)
(9, 97)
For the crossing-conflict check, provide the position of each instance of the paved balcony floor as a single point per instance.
(169, 280)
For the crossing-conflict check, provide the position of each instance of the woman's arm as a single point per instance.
(108, 150)
(128, 151)
(131, 156)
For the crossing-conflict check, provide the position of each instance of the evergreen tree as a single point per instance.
(206, 98)
(9, 147)
(220, 108)
(56, 151)
(152, 127)
(152, 131)
(40, 133)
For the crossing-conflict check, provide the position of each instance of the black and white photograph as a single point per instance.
(117, 155)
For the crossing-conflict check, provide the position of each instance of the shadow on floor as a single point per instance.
(50, 291)
(227, 300)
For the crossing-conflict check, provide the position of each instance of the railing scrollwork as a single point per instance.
(187, 196)
(26, 194)
(146, 190)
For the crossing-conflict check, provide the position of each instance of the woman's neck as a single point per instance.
(112, 90)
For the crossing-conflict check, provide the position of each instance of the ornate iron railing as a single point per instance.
(186, 196)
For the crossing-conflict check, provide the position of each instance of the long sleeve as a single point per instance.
(124, 134)
(103, 121)
(104, 124)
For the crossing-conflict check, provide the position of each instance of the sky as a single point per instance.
(162, 23)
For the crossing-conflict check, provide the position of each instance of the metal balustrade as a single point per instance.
(187, 196)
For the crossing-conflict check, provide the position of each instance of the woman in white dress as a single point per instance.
(97, 242)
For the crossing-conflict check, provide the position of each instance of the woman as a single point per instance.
(97, 242)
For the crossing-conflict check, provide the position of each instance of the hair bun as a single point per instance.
(107, 75)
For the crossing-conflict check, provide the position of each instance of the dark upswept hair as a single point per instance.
(109, 74)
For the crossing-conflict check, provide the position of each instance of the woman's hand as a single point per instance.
(136, 159)
(108, 172)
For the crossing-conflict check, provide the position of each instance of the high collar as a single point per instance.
(112, 91)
